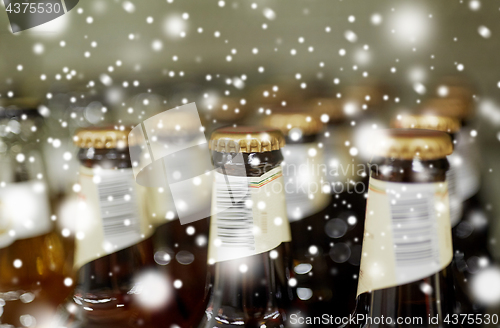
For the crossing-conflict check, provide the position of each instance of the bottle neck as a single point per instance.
(307, 189)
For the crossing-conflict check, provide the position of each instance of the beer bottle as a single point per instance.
(450, 126)
(181, 250)
(114, 251)
(313, 222)
(405, 276)
(249, 231)
(32, 272)
(348, 177)
(218, 112)
(350, 117)
(455, 98)
(280, 93)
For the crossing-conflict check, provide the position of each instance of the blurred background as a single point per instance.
(124, 61)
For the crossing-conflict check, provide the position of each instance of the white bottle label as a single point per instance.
(307, 190)
(255, 223)
(109, 216)
(407, 234)
(24, 211)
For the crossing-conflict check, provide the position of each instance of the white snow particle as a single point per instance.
(350, 36)
(18, 263)
(38, 48)
(177, 284)
(474, 5)
(269, 13)
(484, 31)
(376, 19)
(128, 6)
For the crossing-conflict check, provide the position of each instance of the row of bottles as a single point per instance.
(291, 235)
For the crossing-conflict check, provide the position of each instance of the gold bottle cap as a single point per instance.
(427, 122)
(246, 139)
(456, 107)
(455, 86)
(284, 90)
(175, 123)
(228, 109)
(370, 93)
(101, 138)
(20, 103)
(408, 144)
(290, 121)
(333, 108)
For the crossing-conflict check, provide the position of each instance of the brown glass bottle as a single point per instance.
(32, 255)
(458, 220)
(471, 234)
(219, 111)
(348, 177)
(180, 247)
(313, 219)
(409, 193)
(114, 250)
(252, 278)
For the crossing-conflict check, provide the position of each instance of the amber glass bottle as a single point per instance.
(406, 278)
(249, 232)
(471, 234)
(313, 218)
(220, 111)
(32, 255)
(348, 176)
(181, 249)
(114, 251)
(451, 126)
